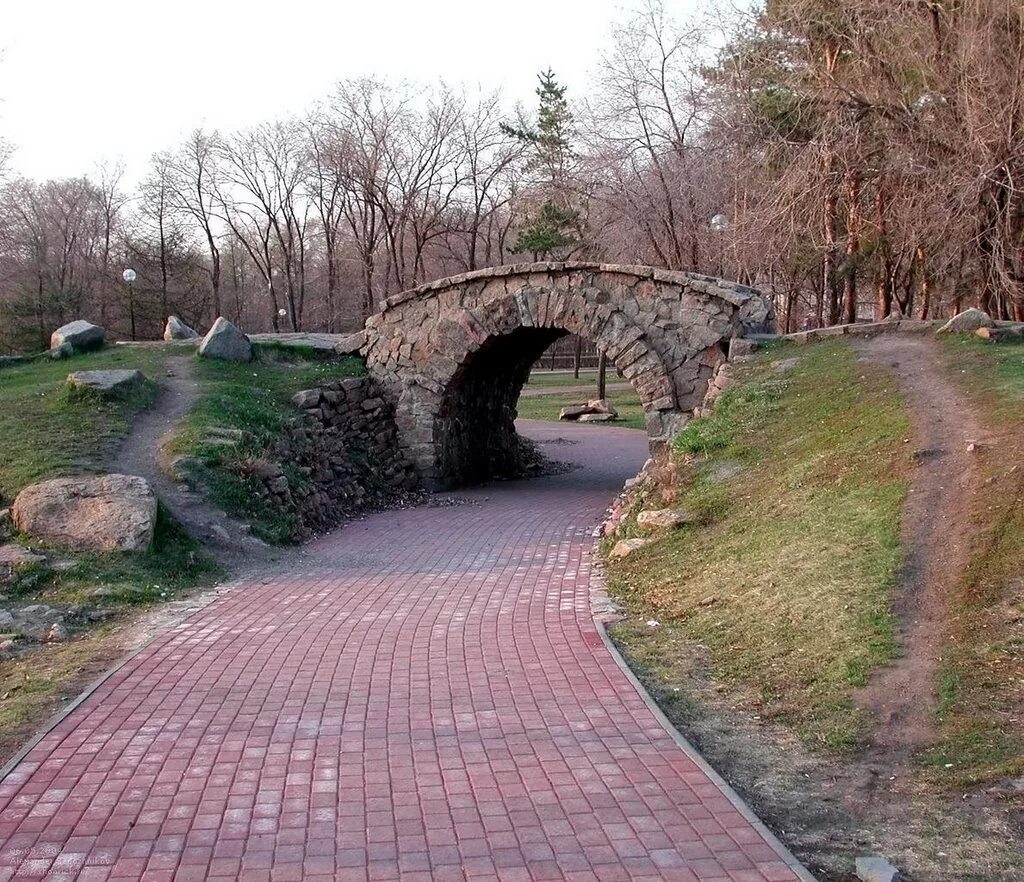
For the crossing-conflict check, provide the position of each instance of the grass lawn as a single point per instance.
(588, 376)
(46, 429)
(981, 709)
(798, 480)
(546, 407)
(254, 400)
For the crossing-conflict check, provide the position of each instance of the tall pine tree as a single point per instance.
(554, 225)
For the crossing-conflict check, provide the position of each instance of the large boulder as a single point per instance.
(89, 513)
(80, 335)
(967, 322)
(107, 382)
(226, 342)
(177, 330)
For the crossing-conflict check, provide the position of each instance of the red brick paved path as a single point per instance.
(428, 699)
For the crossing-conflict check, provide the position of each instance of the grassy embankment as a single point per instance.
(981, 697)
(241, 413)
(46, 430)
(798, 479)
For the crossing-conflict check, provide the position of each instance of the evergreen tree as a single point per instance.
(555, 223)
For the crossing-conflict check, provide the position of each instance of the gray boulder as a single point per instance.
(106, 381)
(967, 322)
(89, 513)
(177, 330)
(80, 335)
(226, 342)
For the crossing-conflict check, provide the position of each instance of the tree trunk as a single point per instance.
(602, 371)
(883, 288)
(924, 283)
(577, 357)
(852, 250)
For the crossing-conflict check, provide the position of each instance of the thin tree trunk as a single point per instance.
(924, 283)
(852, 250)
(828, 267)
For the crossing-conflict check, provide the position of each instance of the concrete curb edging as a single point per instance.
(691, 752)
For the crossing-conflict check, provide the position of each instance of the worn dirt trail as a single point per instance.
(142, 454)
(935, 537)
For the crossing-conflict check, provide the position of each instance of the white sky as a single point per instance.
(86, 80)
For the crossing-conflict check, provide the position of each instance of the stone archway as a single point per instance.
(454, 354)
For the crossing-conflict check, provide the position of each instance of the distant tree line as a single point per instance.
(860, 159)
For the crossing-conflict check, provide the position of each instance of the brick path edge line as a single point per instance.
(73, 705)
(601, 621)
(53, 722)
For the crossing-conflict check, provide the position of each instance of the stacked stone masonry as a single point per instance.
(453, 355)
(338, 457)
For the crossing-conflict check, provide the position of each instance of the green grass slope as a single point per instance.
(798, 480)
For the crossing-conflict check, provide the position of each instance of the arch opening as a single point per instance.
(475, 434)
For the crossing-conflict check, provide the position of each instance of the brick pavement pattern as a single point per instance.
(428, 698)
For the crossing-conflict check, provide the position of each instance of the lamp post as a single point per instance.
(719, 224)
(129, 275)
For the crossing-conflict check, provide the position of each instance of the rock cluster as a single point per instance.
(596, 411)
(338, 456)
(89, 513)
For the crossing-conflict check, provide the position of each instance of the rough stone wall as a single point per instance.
(666, 331)
(339, 456)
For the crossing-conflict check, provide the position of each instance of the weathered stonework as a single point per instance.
(453, 355)
(340, 455)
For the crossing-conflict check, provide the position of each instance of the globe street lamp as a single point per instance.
(129, 275)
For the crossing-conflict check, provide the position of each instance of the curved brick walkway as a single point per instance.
(428, 699)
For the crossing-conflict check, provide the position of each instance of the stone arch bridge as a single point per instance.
(453, 355)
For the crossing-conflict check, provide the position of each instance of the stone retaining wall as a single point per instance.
(341, 455)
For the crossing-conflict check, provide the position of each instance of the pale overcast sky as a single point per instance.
(87, 80)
